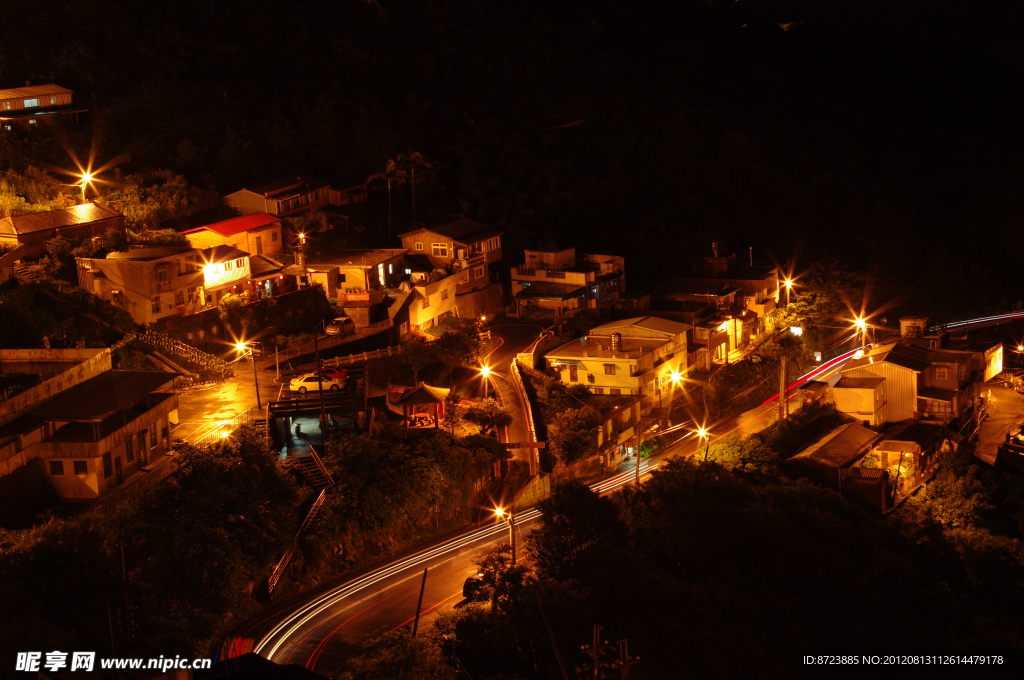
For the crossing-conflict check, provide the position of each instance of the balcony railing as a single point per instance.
(554, 274)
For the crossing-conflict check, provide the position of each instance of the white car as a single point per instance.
(309, 382)
(341, 326)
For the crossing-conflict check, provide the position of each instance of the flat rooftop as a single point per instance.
(601, 348)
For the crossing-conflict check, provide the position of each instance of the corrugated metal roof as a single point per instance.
(238, 224)
(651, 323)
(841, 445)
(33, 91)
(55, 219)
(222, 254)
(858, 383)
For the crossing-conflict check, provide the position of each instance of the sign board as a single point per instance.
(817, 357)
(526, 445)
(357, 297)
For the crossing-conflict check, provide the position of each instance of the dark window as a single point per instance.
(573, 373)
(108, 467)
(179, 298)
(341, 278)
(154, 304)
(444, 294)
(152, 437)
(615, 390)
(129, 455)
(81, 467)
(273, 236)
(56, 467)
(609, 369)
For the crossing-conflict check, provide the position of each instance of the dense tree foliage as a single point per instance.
(194, 547)
(572, 434)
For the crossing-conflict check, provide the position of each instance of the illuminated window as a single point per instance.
(440, 249)
(30, 103)
(390, 269)
(81, 467)
(7, 106)
(53, 100)
(56, 467)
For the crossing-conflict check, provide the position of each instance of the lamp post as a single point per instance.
(704, 434)
(509, 517)
(86, 179)
(244, 348)
(862, 326)
(485, 372)
(789, 285)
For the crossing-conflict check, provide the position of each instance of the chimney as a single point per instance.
(616, 342)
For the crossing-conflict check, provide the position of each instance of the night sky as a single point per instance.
(881, 133)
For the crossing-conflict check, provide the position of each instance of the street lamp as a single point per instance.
(704, 434)
(244, 348)
(509, 517)
(789, 285)
(86, 179)
(485, 371)
(862, 326)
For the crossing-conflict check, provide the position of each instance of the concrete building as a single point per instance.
(257, 234)
(464, 246)
(357, 271)
(154, 283)
(560, 283)
(759, 286)
(635, 356)
(93, 429)
(74, 224)
(296, 196)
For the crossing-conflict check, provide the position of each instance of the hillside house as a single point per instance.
(256, 233)
(558, 284)
(75, 224)
(29, 105)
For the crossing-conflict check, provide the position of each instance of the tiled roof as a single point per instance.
(462, 229)
(238, 224)
(55, 219)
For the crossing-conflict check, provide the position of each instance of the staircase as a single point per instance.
(312, 475)
(24, 273)
(186, 353)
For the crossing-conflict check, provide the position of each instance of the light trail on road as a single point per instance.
(273, 643)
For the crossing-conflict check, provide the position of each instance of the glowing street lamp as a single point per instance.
(243, 348)
(862, 326)
(509, 517)
(86, 179)
(485, 372)
(702, 433)
(789, 286)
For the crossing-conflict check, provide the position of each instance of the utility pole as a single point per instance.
(419, 605)
(256, 377)
(639, 441)
(324, 429)
(607, 659)
(783, 404)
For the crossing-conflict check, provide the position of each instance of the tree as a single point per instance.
(414, 159)
(398, 656)
(391, 174)
(489, 414)
(746, 456)
(572, 434)
(417, 354)
(453, 413)
(579, 530)
(584, 320)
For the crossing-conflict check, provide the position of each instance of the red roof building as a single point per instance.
(257, 234)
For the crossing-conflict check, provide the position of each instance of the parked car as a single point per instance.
(339, 374)
(309, 381)
(471, 586)
(341, 326)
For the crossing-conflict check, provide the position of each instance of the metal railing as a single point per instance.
(517, 380)
(230, 426)
(364, 356)
(328, 341)
(290, 553)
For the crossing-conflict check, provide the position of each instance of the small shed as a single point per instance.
(813, 392)
(417, 404)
